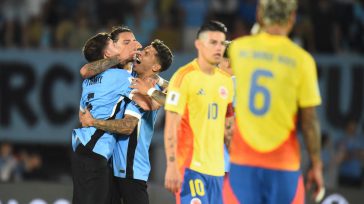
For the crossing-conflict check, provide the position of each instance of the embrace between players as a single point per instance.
(122, 94)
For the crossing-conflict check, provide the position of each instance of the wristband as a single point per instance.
(150, 91)
(160, 81)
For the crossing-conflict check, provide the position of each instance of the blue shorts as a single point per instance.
(255, 185)
(200, 188)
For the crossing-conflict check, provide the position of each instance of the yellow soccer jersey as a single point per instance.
(274, 77)
(202, 101)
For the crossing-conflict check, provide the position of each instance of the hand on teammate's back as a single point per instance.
(86, 118)
(142, 86)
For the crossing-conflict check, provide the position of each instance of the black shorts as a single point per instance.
(92, 177)
(132, 191)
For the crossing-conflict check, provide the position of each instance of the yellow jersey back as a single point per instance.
(274, 77)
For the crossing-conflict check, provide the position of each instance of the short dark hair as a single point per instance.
(165, 56)
(212, 26)
(116, 30)
(95, 46)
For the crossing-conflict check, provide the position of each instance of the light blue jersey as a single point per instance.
(105, 95)
(131, 154)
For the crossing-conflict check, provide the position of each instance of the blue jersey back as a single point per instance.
(103, 95)
(131, 154)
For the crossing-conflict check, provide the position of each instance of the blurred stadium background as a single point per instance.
(40, 58)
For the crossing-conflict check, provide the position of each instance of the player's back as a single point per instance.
(273, 78)
(104, 96)
(101, 93)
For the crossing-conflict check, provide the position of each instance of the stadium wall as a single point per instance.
(40, 92)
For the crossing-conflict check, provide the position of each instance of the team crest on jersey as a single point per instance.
(223, 92)
(195, 201)
(172, 98)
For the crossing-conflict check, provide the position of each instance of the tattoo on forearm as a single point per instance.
(101, 65)
(228, 131)
(159, 96)
(123, 126)
(311, 132)
(171, 159)
(165, 84)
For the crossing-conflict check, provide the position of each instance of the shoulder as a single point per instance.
(299, 51)
(182, 73)
(241, 43)
(116, 73)
(224, 74)
(185, 70)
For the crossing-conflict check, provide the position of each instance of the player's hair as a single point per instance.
(212, 26)
(165, 56)
(95, 46)
(276, 11)
(116, 30)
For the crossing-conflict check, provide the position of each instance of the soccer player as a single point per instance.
(123, 37)
(131, 154)
(104, 96)
(198, 98)
(275, 79)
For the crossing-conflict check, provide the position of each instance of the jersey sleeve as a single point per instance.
(308, 89)
(134, 110)
(122, 82)
(177, 93)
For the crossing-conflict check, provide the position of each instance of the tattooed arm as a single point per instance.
(146, 87)
(229, 125)
(94, 68)
(123, 126)
(145, 102)
(159, 96)
(173, 179)
(311, 133)
(126, 55)
(161, 82)
(228, 134)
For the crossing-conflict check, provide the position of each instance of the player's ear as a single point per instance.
(106, 53)
(292, 17)
(197, 43)
(156, 67)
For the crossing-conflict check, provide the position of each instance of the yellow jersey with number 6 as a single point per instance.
(274, 78)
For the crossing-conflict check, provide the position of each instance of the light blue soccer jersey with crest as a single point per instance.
(131, 153)
(105, 95)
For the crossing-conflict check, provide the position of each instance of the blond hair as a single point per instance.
(276, 11)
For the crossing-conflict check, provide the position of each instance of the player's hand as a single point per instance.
(172, 180)
(315, 182)
(86, 118)
(129, 52)
(142, 86)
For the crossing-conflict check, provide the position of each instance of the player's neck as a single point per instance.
(206, 67)
(276, 30)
